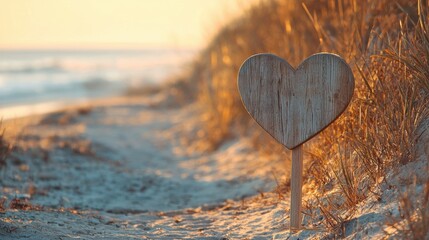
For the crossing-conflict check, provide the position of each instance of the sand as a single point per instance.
(117, 170)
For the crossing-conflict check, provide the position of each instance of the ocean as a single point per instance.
(35, 81)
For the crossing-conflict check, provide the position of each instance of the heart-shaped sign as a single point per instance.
(293, 105)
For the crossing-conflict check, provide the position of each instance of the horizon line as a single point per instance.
(97, 49)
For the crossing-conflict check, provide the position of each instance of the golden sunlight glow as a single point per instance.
(111, 23)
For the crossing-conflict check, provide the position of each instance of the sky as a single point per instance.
(35, 24)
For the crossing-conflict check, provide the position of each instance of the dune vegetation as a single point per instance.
(4, 147)
(387, 45)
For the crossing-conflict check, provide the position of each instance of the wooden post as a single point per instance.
(296, 188)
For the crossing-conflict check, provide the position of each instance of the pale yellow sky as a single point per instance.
(112, 23)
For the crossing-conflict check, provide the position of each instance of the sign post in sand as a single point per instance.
(293, 105)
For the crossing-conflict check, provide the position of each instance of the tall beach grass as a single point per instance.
(387, 45)
(4, 147)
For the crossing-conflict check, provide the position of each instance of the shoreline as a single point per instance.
(45, 108)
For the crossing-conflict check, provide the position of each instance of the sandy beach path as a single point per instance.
(118, 171)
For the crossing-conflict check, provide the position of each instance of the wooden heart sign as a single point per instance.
(293, 105)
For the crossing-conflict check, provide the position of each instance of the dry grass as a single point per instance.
(413, 222)
(387, 45)
(414, 206)
(378, 130)
(4, 147)
(24, 204)
(414, 52)
(416, 214)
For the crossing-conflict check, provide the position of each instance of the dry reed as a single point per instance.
(387, 46)
(4, 147)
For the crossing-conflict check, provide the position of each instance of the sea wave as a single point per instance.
(31, 67)
(27, 77)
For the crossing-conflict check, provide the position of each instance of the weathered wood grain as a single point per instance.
(296, 188)
(294, 105)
